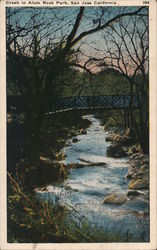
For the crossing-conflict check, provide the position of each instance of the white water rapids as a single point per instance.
(86, 187)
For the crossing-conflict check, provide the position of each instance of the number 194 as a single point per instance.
(145, 2)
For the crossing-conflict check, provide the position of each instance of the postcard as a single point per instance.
(78, 124)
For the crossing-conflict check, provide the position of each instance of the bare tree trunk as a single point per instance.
(33, 124)
(131, 104)
(144, 127)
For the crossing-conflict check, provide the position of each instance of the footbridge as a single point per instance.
(95, 102)
(119, 102)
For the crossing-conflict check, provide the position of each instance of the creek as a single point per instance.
(98, 176)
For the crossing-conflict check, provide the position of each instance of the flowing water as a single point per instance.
(87, 186)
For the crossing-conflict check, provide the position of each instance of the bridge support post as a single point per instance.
(74, 102)
(126, 119)
(131, 120)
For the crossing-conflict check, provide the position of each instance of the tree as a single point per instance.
(41, 44)
(125, 53)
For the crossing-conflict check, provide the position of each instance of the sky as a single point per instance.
(58, 22)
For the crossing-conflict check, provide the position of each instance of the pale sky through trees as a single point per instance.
(53, 25)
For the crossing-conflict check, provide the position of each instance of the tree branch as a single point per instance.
(101, 27)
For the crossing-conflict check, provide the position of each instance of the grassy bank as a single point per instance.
(34, 221)
(30, 220)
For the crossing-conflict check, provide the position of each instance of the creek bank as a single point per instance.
(100, 192)
(55, 132)
(138, 171)
(50, 167)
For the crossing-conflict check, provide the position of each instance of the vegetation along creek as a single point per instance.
(97, 186)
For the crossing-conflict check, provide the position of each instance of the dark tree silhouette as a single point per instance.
(125, 52)
(39, 51)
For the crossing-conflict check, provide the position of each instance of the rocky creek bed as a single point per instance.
(108, 182)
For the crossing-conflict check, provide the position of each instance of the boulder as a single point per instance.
(131, 172)
(140, 156)
(114, 137)
(132, 193)
(83, 131)
(142, 183)
(115, 199)
(136, 163)
(108, 138)
(133, 156)
(144, 167)
(115, 150)
(125, 140)
(142, 172)
(145, 159)
(74, 140)
(135, 149)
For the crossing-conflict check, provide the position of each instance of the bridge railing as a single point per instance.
(108, 102)
(79, 102)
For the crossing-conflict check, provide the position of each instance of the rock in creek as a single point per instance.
(136, 163)
(134, 150)
(135, 194)
(132, 193)
(131, 172)
(144, 167)
(138, 170)
(74, 140)
(141, 173)
(83, 131)
(115, 199)
(145, 159)
(115, 150)
(139, 184)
